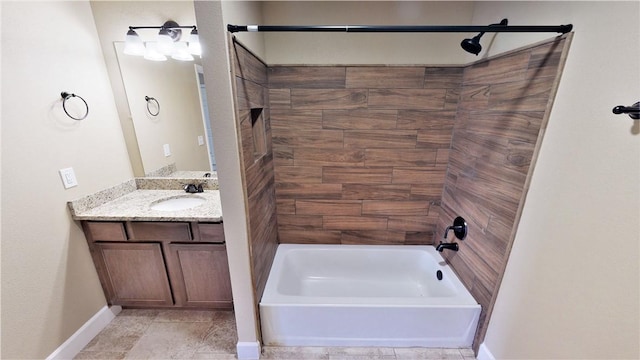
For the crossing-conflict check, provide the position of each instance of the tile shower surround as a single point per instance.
(391, 154)
(503, 110)
(257, 168)
(361, 152)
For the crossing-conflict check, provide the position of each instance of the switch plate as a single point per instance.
(167, 150)
(200, 140)
(68, 178)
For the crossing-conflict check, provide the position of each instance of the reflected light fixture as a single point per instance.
(181, 52)
(152, 53)
(168, 43)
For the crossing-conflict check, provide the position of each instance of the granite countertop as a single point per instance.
(129, 203)
(192, 174)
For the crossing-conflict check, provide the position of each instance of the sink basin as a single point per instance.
(177, 203)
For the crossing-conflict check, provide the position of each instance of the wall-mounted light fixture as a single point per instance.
(167, 43)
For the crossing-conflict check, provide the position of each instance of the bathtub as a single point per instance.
(365, 295)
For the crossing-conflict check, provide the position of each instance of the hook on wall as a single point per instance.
(151, 100)
(66, 96)
(633, 111)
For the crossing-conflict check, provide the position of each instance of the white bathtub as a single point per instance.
(365, 295)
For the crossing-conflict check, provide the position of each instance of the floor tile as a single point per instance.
(428, 354)
(357, 353)
(362, 351)
(121, 334)
(185, 316)
(294, 353)
(213, 356)
(170, 340)
(220, 338)
(151, 313)
(100, 355)
(467, 354)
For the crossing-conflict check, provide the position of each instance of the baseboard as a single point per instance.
(484, 353)
(248, 350)
(74, 344)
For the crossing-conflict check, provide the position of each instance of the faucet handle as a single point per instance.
(190, 188)
(459, 228)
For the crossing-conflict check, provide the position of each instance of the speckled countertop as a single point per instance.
(127, 202)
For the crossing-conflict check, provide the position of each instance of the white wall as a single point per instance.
(366, 48)
(49, 284)
(213, 17)
(246, 12)
(571, 287)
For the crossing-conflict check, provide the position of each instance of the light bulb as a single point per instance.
(133, 45)
(194, 43)
(165, 42)
(153, 54)
(180, 52)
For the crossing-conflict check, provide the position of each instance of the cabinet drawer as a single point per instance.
(213, 233)
(104, 231)
(170, 231)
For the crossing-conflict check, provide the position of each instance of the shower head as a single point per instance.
(473, 45)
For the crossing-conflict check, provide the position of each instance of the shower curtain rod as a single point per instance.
(563, 29)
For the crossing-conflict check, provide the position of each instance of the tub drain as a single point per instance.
(439, 274)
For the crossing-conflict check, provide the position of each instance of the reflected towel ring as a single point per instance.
(633, 111)
(149, 100)
(66, 96)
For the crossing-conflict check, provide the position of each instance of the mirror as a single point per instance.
(167, 104)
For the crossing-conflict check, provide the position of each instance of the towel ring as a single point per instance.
(149, 100)
(633, 111)
(66, 96)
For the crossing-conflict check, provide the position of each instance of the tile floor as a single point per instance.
(192, 334)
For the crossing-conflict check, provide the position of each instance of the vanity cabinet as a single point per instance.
(201, 271)
(161, 264)
(135, 274)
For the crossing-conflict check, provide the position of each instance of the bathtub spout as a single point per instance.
(450, 246)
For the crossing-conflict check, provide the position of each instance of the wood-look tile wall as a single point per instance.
(502, 112)
(257, 161)
(391, 155)
(360, 153)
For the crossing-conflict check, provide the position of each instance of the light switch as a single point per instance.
(200, 140)
(167, 150)
(68, 178)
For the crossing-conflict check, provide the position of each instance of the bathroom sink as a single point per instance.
(177, 203)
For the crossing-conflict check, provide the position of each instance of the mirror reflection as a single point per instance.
(167, 103)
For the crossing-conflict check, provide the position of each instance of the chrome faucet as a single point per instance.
(193, 188)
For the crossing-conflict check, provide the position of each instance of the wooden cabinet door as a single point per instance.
(134, 274)
(200, 275)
